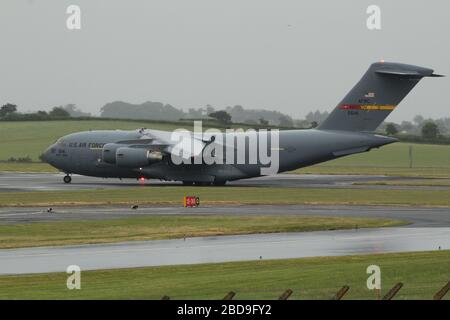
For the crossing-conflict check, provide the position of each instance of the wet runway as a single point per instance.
(223, 249)
(429, 228)
(418, 216)
(53, 181)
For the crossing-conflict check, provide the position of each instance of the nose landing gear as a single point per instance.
(67, 179)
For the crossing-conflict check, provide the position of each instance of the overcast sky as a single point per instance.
(294, 56)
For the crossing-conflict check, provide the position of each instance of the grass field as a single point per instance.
(169, 227)
(171, 195)
(422, 172)
(422, 273)
(31, 138)
(431, 161)
(33, 167)
(396, 155)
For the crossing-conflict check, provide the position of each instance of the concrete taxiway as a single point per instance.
(53, 181)
(223, 249)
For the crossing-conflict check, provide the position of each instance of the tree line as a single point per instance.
(8, 112)
(158, 111)
(427, 129)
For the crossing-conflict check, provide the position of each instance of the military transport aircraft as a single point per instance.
(154, 154)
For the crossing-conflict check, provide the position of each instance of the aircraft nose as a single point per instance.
(46, 156)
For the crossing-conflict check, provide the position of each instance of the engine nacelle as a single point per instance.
(109, 152)
(136, 157)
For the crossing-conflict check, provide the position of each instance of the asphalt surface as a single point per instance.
(418, 216)
(53, 181)
(429, 228)
(223, 249)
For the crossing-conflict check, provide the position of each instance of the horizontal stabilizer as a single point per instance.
(408, 73)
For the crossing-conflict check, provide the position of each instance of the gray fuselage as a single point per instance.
(81, 153)
(150, 153)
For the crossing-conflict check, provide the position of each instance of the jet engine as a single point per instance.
(136, 157)
(109, 152)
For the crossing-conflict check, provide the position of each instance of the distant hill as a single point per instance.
(159, 111)
(252, 116)
(147, 110)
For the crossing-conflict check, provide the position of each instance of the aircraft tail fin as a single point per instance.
(375, 96)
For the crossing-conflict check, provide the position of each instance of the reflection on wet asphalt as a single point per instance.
(222, 249)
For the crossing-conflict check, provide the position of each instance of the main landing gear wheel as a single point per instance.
(188, 183)
(67, 179)
(220, 182)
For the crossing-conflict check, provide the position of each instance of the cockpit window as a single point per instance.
(61, 142)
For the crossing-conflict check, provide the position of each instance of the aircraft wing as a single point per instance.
(182, 144)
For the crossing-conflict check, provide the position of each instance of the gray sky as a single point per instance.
(291, 55)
